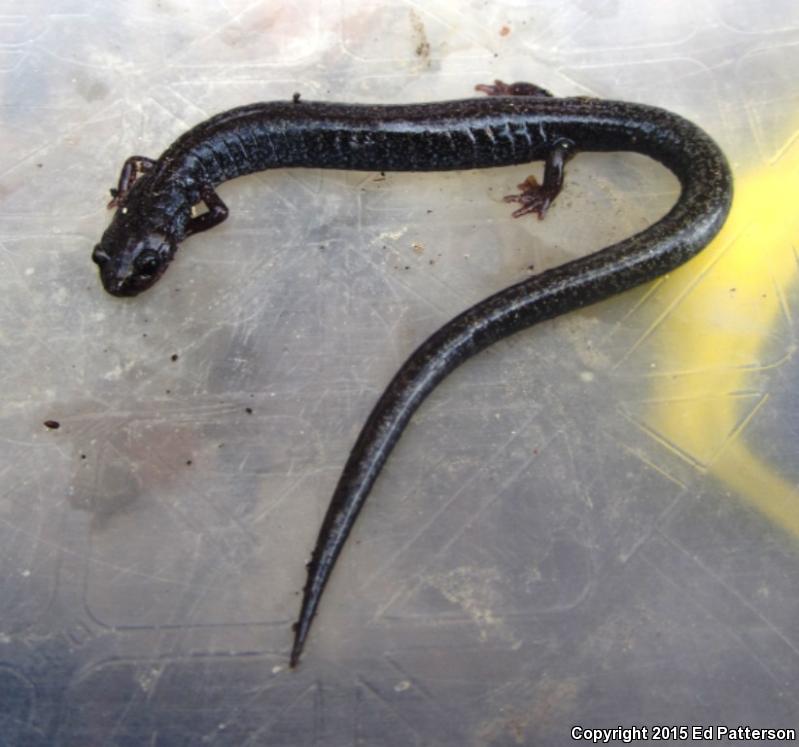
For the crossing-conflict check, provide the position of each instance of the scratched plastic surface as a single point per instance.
(593, 523)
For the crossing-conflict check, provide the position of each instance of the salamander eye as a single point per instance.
(147, 263)
(99, 257)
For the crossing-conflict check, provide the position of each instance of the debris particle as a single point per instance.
(422, 43)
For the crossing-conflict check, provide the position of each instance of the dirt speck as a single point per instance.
(477, 592)
(422, 49)
(92, 90)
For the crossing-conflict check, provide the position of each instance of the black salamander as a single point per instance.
(517, 123)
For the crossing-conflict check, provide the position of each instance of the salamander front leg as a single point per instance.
(132, 169)
(535, 197)
(216, 213)
(512, 89)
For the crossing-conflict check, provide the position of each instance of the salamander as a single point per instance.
(517, 123)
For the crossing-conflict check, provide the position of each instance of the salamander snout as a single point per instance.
(130, 265)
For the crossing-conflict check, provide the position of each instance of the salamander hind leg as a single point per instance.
(535, 197)
(216, 213)
(132, 169)
(499, 88)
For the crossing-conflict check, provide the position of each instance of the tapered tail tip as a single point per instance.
(299, 643)
(294, 659)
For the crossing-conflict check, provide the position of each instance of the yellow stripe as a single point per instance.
(721, 322)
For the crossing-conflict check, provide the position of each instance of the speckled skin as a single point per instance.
(155, 216)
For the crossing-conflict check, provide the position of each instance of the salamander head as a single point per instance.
(132, 261)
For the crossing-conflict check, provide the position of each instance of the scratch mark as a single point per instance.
(652, 465)
(740, 427)
(466, 523)
(733, 591)
(678, 298)
(722, 620)
(664, 442)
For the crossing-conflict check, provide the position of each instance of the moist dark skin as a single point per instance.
(517, 123)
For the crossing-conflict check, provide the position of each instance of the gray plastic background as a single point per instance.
(541, 551)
